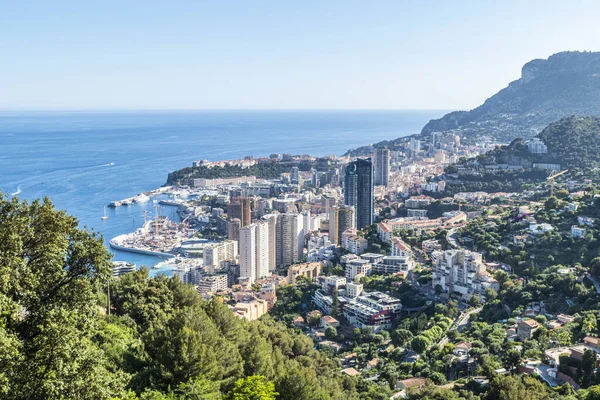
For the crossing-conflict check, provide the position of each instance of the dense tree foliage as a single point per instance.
(268, 170)
(575, 142)
(493, 234)
(293, 300)
(50, 272)
(572, 144)
(161, 341)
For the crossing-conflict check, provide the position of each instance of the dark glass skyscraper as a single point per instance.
(358, 191)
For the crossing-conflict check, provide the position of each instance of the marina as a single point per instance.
(171, 238)
(140, 198)
(130, 242)
(159, 237)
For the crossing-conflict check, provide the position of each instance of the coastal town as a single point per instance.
(281, 200)
(374, 261)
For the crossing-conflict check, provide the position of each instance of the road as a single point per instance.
(595, 282)
(463, 322)
(451, 238)
(466, 319)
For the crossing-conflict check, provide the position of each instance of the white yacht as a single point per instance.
(141, 198)
(122, 267)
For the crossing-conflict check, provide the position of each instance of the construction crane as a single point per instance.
(156, 215)
(184, 224)
(550, 179)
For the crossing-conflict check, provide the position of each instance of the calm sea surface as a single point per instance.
(83, 160)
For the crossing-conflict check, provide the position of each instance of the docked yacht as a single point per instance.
(122, 267)
(141, 198)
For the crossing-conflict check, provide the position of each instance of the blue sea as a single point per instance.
(84, 160)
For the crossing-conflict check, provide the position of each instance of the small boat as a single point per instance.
(104, 217)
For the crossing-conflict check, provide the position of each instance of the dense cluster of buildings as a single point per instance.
(318, 210)
(267, 232)
(373, 310)
(462, 272)
(281, 231)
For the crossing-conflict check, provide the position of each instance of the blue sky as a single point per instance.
(277, 54)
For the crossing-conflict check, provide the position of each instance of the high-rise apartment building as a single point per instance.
(240, 208)
(271, 220)
(457, 270)
(254, 251)
(233, 229)
(294, 175)
(290, 239)
(341, 218)
(216, 253)
(381, 159)
(262, 249)
(414, 145)
(358, 191)
(248, 253)
(307, 222)
(285, 205)
(333, 223)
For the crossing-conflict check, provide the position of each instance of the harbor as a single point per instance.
(160, 237)
(166, 238)
(140, 198)
(131, 242)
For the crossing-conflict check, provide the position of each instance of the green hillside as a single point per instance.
(161, 341)
(572, 142)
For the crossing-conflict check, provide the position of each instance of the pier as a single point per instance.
(140, 197)
(160, 237)
(124, 243)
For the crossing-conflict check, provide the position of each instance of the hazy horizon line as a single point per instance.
(211, 109)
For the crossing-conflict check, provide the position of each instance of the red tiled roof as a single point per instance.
(350, 371)
(531, 322)
(591, 339)
(401, 244)
(384, 227)
(374, 362)
(413, 382)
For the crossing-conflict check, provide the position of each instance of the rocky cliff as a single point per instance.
(565, 84)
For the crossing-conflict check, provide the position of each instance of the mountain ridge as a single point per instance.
(564, 84)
